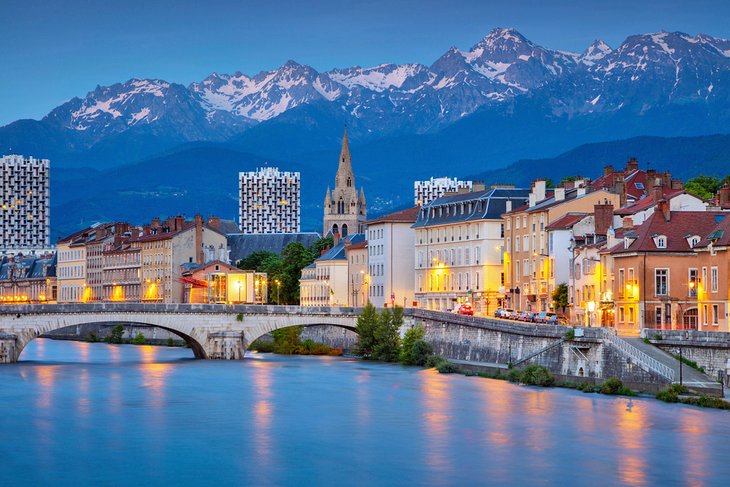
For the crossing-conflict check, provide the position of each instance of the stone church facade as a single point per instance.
(345, 209)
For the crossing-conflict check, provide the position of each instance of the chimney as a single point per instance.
(632, 165)
(214, 222)
(155, 223)
(663, 207)
(508, 206)
(628, 223)
(607, 170)
(580, 182)
(538, 189)
(658, 190)
(180, 221)
(568, 184)
(723, 196)
(531, 200)
(559, 194)
(199, 258)
(581, 191)
(677, 184)
(602, 217)
(479, 186)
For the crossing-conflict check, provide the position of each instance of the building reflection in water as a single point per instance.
(262, 410)
(695, 431)
(362, 404)
(631, 424)
(436, 393)
(154, 376)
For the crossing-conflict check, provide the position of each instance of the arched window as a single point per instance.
(335, 229)
(344, 230)
(349, 182)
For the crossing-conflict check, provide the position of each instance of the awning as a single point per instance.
(194, 282)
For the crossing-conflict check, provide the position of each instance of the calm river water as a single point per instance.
(78, 414)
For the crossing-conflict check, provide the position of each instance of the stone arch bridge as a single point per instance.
(213, 331)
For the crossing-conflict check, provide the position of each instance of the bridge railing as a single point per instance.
(640, 357)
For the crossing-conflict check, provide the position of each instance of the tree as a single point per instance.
(139, 339)
(116, 335)
(387, 335)
(320, 245)
(411, 336)
(367, 323)
(560, 296)
(549, 183)
(287, 340)
(260, 261)
(704, 186)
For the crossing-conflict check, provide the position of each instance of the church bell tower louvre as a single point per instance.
(345, 209)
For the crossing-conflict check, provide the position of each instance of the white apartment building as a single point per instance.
(425, 192)
(459, 249)
(269, 201)
(391, 266)
(326, 282)
(24, 204)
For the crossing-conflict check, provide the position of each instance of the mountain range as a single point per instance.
(469, 112)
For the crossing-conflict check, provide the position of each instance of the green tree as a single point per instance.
(387, 335)
(91, 337)
(139, 339)
(560, 296)
(703, 186)
(260, 261)
(549, 183)
(367, 324)
(410, 338)
(116, 335)
(320, 245)
(287, 340)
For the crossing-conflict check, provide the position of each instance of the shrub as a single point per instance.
(139, 339)
(433, 360)
(422, 350)
(262, 346)
(287, 341)
(586, 387)
(611, 386)
(537, 375)
(569, 335)
(707, 402)
(170, 342)
(239, 317)
(446, 367)
(514, 375)
(116, 335)
(657, 336)
(690, 363)
(671, 393)
(411, 336)
(92, 337)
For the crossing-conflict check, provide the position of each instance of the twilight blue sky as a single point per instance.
(52, 50)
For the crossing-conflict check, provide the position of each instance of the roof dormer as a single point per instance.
(692, 240)
(660, 241)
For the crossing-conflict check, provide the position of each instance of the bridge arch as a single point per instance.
(253, 335)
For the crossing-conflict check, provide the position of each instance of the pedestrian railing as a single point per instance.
(639, 357)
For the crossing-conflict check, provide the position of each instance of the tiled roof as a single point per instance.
(719, 235)
(408, 215)
(566, 221)
(681, 225)
(32, 267)
(489, 204)
(647, 202)
(338, 251)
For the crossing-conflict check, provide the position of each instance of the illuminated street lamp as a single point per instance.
(278, 289)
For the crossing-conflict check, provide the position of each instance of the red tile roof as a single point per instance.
(404, 216)
(647, 202)
(566, 221)
(681, 225)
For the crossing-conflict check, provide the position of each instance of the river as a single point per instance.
(80, 413)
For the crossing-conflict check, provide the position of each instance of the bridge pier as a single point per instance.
(7, 348)
(224, 345)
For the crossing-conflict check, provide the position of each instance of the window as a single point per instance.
(517, 270)
(692, 283)
(661, 282)
(661, 242)
(703, 282)
(630, 284)
(713, 279)
(526, 267)
(715, 314)
(704, 314)
(631, 314)
(621, 282)
(477, 255)
(525, 243)
(658, 315)
(517, 244)
(621, 317)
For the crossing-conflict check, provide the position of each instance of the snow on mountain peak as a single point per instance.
(595, 52)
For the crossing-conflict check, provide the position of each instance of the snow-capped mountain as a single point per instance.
(504, 74)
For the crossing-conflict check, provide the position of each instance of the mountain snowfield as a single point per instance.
(643, 72)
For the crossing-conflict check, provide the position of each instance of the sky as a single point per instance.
(51, 51)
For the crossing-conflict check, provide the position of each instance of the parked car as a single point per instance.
(504, 313)
(466, 309)
(544, 317)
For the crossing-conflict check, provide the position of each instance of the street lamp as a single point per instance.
(679, 351)
(278, 289)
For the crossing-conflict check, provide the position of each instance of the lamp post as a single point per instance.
(679, 351)
(278, 289)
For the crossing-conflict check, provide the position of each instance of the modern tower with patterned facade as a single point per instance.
(345, 209)
(269, 201)
(24, 204)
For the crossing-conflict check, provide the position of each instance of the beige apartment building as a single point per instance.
(459, 251)
(530, 259)
(71, 270)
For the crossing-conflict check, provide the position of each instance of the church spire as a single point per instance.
(345, 175)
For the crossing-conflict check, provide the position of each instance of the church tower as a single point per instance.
(345, 210)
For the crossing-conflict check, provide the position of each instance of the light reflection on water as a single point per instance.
(77, 413)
